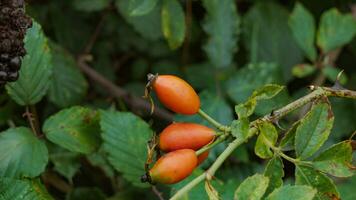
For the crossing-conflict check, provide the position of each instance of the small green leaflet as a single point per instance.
(267, 138)
(313, 130)
(274, 171)
(252, 188)
(293, 192)
(240, 128)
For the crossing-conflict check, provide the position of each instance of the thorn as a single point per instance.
(337, 85)
(279, 126)
(311, 87)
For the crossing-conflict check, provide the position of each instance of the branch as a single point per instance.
(116, 91)
(316, 93)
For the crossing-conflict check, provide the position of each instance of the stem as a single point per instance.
(32, 120)
(213, 121)
(273, 117)
(211, 145)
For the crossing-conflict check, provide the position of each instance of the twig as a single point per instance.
(32, 120)
(275, 116)
(116, 91)
(213, 121)
(157, 193)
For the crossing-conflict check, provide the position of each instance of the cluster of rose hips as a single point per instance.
(179, 141)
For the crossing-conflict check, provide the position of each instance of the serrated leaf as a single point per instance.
(267, 36)
(213, 194)
(251, 77)
(244, 110)
(252, 188)
(90, 6)
(125, 138)
(21, 153)
(68, 85)
(268, 137)
(11, 189)
(148, 26)
(141, 7)
(303, 70)
(222, 26)
(308, 176)
(76, 129)
(295, 192)
(173, 23)
(302, 23)
(36, 69)
(274, 171)
(335, 30)
(335, 160)
(313, 130)
(267, 91)
(240, 128)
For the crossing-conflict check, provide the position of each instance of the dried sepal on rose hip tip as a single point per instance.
(174, 93)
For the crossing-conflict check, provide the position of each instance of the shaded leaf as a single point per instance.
(76, 129)
(36, 70)
(21, 153)
(267, 36)
(125, 138)
(68, 85)
(308, 176)
(303, 70)
(295, 192)
(173, 23)
(274, 171)
(335, 160)
(268, 137)
(313, 130)
(252, 188)
(149, 25)
(335, 30)
(141, 7)
(89, 6)
(287, 142)
(222, 26)
(11, 189)
(87, 193)
(302, 23)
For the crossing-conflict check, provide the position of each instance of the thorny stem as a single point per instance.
(213, 121)
(316, 93)
(31, 115)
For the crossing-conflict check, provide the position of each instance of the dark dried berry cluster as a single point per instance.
(13, 26)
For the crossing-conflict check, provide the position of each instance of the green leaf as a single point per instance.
(141, 7)
(23, 190)
(302, 23)
(308, 176)
(242, 84)
(313, 130)
(125, 138)
(303, 70)
(36, 70)
(87, 193)
(335, 30)
(244, 110)
(295, 192)
(252, 188)
(148, 26)
(335, 160)
(173, 23)
(267, 138)
(66, 163)
(267, 91)
(68, 85)
(347, 189)
(76, 129)
(212, 104)
(21, 153)
(331, 73)
(268, 38)
(90, 6)
(222, 26)
(240, 128)
(274, 171)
